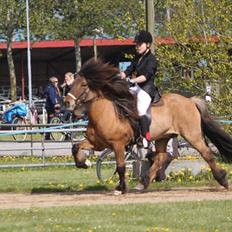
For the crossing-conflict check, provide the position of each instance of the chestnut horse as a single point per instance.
(113, 115)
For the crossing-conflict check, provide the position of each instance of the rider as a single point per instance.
(142, 75)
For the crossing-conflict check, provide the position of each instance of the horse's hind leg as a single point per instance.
(219, 174)
(159, 161)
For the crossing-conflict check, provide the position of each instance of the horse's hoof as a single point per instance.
(222, 179)
(117, 192)
(88, 163)
(145, 181)
(139, 187)
(225, 184)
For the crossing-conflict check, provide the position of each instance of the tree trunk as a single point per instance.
(150, 20)
(11, 67)
(77, 54)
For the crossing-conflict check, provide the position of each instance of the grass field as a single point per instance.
(202, 216)
(70, 179)
(208, 216)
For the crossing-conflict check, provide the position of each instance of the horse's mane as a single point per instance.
(104, 79)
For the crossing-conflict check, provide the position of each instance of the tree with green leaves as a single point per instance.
(11, 14)
(77, 19)
(13, 25)
(200, 56)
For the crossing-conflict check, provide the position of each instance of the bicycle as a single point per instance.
(59, 118)
(21, 122)
(23, 118)
(16, 115)
(134, 157)
(106, 163)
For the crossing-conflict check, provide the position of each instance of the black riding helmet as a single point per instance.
(143, 37)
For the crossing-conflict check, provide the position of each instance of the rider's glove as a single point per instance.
(130, 82)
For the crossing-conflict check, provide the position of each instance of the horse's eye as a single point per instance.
(84, 84)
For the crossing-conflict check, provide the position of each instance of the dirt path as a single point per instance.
(20, 200)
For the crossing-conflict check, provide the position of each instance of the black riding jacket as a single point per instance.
(147, 66)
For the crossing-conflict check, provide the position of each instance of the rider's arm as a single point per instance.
(148, 71)
(139, 79)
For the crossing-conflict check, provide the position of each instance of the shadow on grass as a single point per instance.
(155, 187)
(71, 190)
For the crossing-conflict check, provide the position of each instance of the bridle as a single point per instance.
(82, 99)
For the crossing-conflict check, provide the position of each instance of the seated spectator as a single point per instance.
(53, 100)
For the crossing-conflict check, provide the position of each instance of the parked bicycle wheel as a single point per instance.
(57, 136)
(106, 166)
(21, 136)
(78, 136)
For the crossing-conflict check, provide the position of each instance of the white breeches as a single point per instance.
(143, 99)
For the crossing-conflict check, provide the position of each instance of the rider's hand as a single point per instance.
(123, 75)
(130, 82)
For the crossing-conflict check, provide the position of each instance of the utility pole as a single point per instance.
(29, 55)
(96, 32)
(150, 19)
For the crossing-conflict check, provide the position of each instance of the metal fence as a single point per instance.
(40, 149)
(37, 148)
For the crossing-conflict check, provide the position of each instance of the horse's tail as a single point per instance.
(214, 132)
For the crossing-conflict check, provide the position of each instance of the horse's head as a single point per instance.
(78, 96)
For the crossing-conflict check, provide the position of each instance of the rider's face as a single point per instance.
(141, 47)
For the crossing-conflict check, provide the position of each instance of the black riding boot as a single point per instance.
(144, 126)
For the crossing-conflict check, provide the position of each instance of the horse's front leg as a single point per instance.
(80, 152)
(121, 169)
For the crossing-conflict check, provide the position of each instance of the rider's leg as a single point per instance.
(144, 125)
(143, 103)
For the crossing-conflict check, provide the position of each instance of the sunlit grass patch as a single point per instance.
(207, 216)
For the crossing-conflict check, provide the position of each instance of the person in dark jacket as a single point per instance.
(53, 100)
(142, 76)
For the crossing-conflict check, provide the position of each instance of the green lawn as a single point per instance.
(71, 179)
(199, 216)
(47, 180)
(207, 216)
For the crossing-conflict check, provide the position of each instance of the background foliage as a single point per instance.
(201, 54)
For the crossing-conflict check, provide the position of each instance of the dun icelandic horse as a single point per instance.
(113, 115)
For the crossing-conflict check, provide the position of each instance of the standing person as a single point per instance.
(66, 87)
(53, 100)
(142, 76)
(68, 81)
